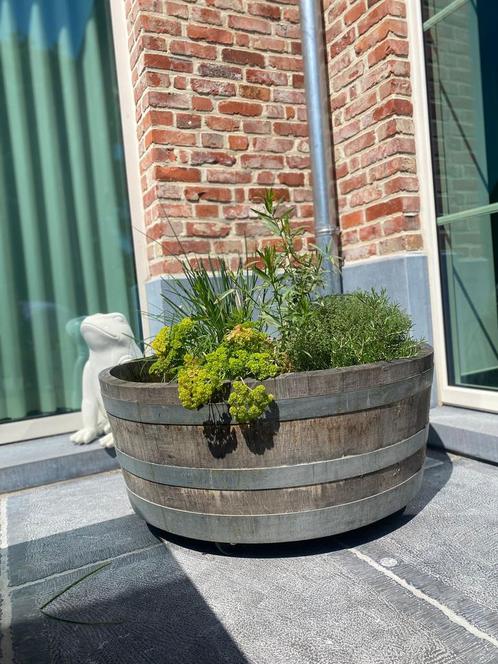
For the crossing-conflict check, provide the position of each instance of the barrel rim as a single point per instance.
(107, 377)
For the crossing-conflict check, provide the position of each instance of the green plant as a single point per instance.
(290, 278)
(266, 317)
(171, 344)
(245, 352)
(350, 329)
(215, 298)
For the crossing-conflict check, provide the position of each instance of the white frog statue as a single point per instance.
(110, 342)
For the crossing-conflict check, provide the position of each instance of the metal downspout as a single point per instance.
(320, 138)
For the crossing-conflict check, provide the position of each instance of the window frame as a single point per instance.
(447, 394)
(51, 425)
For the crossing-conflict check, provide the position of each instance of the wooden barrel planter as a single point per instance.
(339, 449)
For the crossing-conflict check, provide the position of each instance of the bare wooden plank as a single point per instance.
(276, 501)
(274, 477)
(287, 527)
(262, 445)
(121, 382)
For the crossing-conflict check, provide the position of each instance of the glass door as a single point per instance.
(462, 76)
(65, 231)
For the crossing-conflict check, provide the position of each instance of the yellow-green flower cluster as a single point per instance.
(197, 383)
(171, 344)
(247, 404)
(244, 353)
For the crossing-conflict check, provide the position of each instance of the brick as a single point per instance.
(393, 107)
(208, 211)
(248, 24)
(400, 184)
(342, 43)
(206, 15)
(176, 9)
(243, 57)
(254, 92)
(215, 70)
(272, 144)
(229, 177)
(207, 229)
(169, 137)
(265, 43)
(178, 247)
(198, 158)
(291, 179)
(215, 141)
(188, 121)
(352, 219)
(285, 62)
(192, 49)
(262, 161)
(398, 204)
(159, 24)
(238, 142)
(359, 143)
(352, 183)
(200, 104)
(168, 99)
(383, 9)
(209, 34)
(160, 61)
(379, 33)
(290, 128)
(240, 108)
(205, 86)
(357, 10)
(205, 193)
(289, 96)
(266, 77)
(265, 10)
(257, 195)
(256, 126)
(177, 174)
(220, 123)
(389, 47)
(370, 232)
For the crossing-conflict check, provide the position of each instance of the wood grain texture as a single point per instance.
(272, 443)
(301, 441)
(276, 501)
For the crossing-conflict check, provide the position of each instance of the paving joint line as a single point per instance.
(6, 650)
(419, 594)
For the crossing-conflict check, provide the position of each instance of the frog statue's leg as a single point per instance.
(93, 427)
(108, 439)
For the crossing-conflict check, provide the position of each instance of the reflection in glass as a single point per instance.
(468, 251)
(462, 75)
(65, 240)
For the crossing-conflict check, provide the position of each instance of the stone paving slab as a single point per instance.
(418, 588)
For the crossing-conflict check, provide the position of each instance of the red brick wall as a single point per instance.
(221, 116)
(373, 132)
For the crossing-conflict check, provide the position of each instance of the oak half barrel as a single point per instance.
(338, 449)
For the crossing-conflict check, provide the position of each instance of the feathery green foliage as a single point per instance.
(355, 328)
(266, 317)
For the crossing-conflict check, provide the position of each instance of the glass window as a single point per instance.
(65, 233)
(462, 74)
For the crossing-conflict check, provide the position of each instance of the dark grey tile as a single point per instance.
(160, 616)
(39, 558)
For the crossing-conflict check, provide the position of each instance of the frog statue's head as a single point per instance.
(106, 330)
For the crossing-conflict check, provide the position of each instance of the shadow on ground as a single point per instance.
(142, 608)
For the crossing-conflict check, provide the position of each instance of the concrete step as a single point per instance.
(45, 460)
(472, 433)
